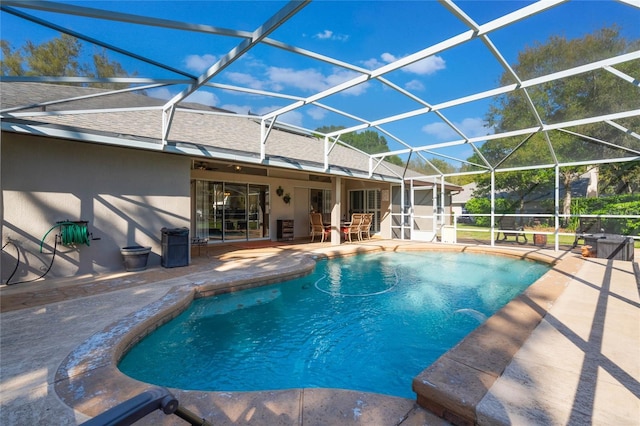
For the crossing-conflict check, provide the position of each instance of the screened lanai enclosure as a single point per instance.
(533, 108)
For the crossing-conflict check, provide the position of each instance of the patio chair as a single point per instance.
(365, 226)
(317, 227)
(587, 226)
(508, 223)
(353, 227)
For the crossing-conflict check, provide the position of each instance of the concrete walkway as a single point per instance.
(579, 366)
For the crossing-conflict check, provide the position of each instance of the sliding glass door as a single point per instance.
(235, 212)
(230, 211)
(258, 219)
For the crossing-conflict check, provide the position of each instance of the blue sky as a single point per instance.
(367, 34)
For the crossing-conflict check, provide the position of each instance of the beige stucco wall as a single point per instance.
(126, 195)
(296, 184)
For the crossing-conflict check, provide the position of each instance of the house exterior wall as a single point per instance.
(296, 184)
(127, 196)
(302, 209)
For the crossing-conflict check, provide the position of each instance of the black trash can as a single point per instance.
(175, 247)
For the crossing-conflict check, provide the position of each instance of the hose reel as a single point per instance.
(72, 233)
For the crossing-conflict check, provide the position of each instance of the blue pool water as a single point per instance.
(368, 322)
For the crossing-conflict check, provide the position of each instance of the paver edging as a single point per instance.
(74, 381)
(296, 270)
(83, 376)
(455, 383)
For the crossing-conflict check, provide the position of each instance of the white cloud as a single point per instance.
(317, 113)
(415, 85)
(291, 117)
(203, 97)
(326, 34)
(439, 130)
(388, 57)
(425, 66)
(307, 79)
(160, 93)
(372, 64)
(311, 80)
(199, 63)
(340, 76)
(470, 127)
(244, 79)
(330, 35)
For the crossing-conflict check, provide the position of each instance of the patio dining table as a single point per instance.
(344, 229)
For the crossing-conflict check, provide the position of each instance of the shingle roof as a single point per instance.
(193, 127)
(20, 94)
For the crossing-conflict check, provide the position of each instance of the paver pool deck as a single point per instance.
(565, 352)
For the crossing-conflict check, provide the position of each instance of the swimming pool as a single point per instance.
(367, 322)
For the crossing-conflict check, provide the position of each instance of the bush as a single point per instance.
(621, 226)
(615, 205)
(483, 206)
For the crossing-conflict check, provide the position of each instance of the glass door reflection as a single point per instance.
(258, 220)
(235, 211)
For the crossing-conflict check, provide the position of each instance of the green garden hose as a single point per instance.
(75, 234)
(70, 233)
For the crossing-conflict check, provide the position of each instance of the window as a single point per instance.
(321, 203)
(366, 201)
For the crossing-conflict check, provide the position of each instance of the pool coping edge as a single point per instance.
(454, 385)
(92, 367)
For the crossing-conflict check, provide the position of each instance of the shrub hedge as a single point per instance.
(613, 205)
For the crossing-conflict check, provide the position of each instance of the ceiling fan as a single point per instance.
(203, 165)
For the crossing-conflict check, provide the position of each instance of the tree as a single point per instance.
(368, 141)
(56, 57)
(59, 57)
(620, 178)
(419, 165)
(435, 167)
(586, 95)
(104, 67)
(11, 64)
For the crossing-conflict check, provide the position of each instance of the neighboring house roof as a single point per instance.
(465, 194)
(135, 120)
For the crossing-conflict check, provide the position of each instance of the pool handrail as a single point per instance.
(139, 406)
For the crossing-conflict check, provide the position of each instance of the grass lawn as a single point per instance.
(483, 235)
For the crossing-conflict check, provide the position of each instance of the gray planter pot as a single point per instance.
(135, 257)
